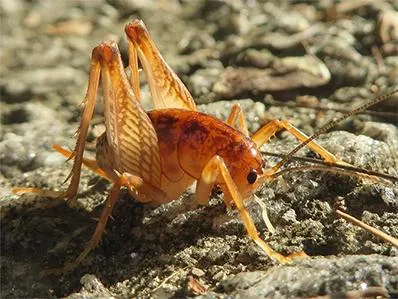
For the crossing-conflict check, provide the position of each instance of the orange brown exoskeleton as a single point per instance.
(156, 155)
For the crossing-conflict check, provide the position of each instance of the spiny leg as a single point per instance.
(89, 104)
(264, 134)
(167, 90)
(133, 65)
(126, 180)
(237, 114)
(106, 57)
(89, 163)
(213, 169)
(98, 52)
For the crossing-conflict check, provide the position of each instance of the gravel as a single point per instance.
(246, 52)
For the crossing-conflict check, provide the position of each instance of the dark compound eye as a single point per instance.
(252, 176)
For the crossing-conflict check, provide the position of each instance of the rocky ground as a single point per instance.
(305, 61)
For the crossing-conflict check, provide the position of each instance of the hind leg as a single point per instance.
(90, 164)
(125, 180)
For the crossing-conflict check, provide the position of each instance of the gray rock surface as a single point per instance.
(318, 276)
(178, 249)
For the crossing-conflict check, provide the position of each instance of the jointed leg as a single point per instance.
(133, 65)
(212, 170)
(127, 180)
(90, 164)
(89, 103)
(237, 113)
(207, 180)
(167, 90)
(267, 131)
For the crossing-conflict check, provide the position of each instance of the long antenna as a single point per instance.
(332, 124)
(332, 170)
(368, 228)
(273, 103)
(329, 164)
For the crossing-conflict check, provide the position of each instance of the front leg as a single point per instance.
(216, 168)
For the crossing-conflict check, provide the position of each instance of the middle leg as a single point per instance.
(237, 114)
(264, 134)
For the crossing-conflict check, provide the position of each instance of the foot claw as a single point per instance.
(297, 255)
(58, 271)
(291, 257)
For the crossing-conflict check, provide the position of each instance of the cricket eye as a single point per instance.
(252, 176)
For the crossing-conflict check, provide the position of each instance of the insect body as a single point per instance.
(188, 140)
(157, 155)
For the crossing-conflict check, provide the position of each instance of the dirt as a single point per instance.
(271, 57)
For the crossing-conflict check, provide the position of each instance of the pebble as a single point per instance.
(197, 272)
(45, 76)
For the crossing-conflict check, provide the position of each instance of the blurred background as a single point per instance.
(305, 61)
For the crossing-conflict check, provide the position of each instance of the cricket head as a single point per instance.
(246, 166)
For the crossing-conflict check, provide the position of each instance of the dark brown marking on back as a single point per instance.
(163, 125)
(194, 129)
